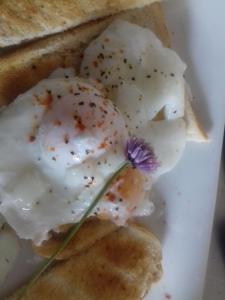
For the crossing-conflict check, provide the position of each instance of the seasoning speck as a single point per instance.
(31, 138)
(66, 139)
(92, 104)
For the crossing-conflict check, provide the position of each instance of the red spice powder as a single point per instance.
(110, 196)
(102, 145)
(79, 124)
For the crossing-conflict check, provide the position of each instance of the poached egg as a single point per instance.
(61, 140)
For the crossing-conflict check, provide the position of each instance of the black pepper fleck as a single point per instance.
(92, 104)
(100, 56)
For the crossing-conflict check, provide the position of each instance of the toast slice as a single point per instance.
(22, 20)
(120, 266)
(23, 68)
(91, 231)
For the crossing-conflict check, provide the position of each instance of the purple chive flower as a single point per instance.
(141, 155)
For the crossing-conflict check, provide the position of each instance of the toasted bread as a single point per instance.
(120, 266)
(22, 20)
(90, 232)
(195, 132)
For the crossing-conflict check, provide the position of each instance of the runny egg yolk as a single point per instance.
(130, 186)
(127, 192)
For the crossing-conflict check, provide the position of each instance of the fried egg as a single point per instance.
(61, 140)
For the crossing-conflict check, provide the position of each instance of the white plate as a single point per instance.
(186, 197)
(197, 29)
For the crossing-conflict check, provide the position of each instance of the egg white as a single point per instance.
(144, 79)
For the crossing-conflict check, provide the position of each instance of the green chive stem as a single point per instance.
(74, 229)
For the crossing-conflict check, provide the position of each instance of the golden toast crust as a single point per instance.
(22, 20)
(120, 266)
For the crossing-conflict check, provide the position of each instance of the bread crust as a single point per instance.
(120, 266)
(23, 20)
